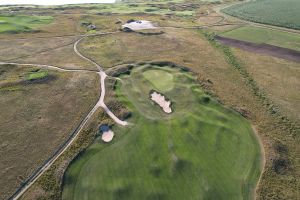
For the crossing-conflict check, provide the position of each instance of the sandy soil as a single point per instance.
(161, 101)
(139, 25)
(107, 136)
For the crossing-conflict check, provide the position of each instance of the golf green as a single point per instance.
(160, 79)
(202, 150)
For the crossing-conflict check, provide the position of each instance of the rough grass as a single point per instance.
(264, 35)
(281, 171)
(279, 78)
(22, 23)
(36, 118)
(201, 150)
(125, 8)
(274, 12)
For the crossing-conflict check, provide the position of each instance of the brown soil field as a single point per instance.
(37, 117)
(267, 49)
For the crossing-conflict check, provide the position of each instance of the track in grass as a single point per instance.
(200, 151)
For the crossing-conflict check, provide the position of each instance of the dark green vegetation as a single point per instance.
(265, 35)
(202, 150)
(274, 12)
(22, 23)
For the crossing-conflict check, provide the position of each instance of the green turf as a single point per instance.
(160, 79)
(265, 35)
(275, 12)
(22, 23)
(36, 75)
(200, 151)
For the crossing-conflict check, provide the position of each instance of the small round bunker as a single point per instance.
(107, 133)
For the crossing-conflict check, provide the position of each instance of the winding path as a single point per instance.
(100, 103)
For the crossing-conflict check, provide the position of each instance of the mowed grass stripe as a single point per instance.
(265, 35)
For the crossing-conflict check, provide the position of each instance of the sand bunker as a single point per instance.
(139, 25)
(161, 101)
(107, 136)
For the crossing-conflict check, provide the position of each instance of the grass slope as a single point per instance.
(22, 23)
(201, 151)
(275, 12)
(264, 35)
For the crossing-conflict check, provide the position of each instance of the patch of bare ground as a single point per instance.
(37, 117)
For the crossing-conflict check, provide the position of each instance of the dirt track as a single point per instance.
(267, 49)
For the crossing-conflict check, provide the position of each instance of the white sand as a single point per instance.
(107, 136)
(161, 101)
(139, 25)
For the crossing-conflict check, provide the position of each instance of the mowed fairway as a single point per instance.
(200, 151)
(22, 23)
(265, 35)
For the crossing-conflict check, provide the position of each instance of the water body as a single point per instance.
(52, 2)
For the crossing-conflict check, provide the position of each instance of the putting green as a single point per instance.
(160, 79)
(200, 151)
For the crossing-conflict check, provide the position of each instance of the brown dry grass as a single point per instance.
(48, 186)
(209, 19)
(279, 78)
(179, 46)
(48, 51)
(37, 117)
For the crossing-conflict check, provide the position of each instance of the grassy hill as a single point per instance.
(201, 150)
